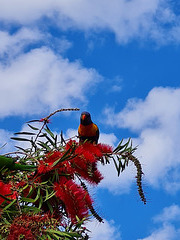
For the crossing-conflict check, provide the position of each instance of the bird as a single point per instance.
(10, 163)
(87, 130)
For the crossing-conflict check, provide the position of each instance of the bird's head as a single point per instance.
(85, 118)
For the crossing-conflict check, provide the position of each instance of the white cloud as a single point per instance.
(103, 231)
(39, 81)
(11, 44)
(171, 213)
(114, 184)
(24, 11)
(156, 120)
(108, 138)
(6, 145)
(126, 19)
(167, 231)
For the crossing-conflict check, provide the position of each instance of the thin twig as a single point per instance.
(45, 120)
(60, 110)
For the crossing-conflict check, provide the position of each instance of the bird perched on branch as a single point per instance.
(87, 129)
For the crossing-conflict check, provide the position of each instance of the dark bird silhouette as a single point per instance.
(88, 131)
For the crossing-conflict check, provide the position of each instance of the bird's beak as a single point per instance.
(83, 117)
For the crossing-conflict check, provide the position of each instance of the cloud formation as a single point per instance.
(153, 19)
(103, 231)
(167, 231)
(40, 81)
(6, 145)
(13, 44)
(156, 121)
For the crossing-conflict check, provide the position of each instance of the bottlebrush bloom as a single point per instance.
(6, 191)
(46, 164)
(85, 163)
(43, 167)
(104, 148)
(51, 157)
(76, 200)
(87, 170)
(17, 232)
(28, 227)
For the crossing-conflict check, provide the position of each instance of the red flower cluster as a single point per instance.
(46, 165)
(76, 200)
(28, 227)
(17, 231)
(5, 190)
(85, 161)
(75, 159)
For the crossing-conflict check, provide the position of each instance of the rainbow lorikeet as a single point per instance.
(8, 162)
(87, 129)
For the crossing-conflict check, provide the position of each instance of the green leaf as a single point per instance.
(48, 196)
(22, 149)
(49, 139)
(55, 141)
(118, 147)
(63, 158)
(117, 167)
(20, 139)
(49, 237)
(63, 234)
(24, 188)
(32, 121)
(31, 209)
(32, 127)
(40, 202)
(5, 198)
(44, 145)
(49, 132)
(50, 207)
(24, 133)
(30, 200)
(9, 205)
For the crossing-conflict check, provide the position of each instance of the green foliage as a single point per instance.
(39, 182)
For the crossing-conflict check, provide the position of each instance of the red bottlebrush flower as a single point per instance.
(85, 163)
(87, 170)
(5, 190)
(104, 148)
(46, 165)
(71, 144)
(65, 168)
(17, 231)
(51, 157)
(28, 227)
(75, 198)
(94, 149)
(43, 167)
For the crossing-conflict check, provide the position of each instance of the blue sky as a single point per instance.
(120, 61)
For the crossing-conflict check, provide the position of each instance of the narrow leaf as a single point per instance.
(32, 127)
(9, 205)
(20, 139)
(25, 133)
(49, 132)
